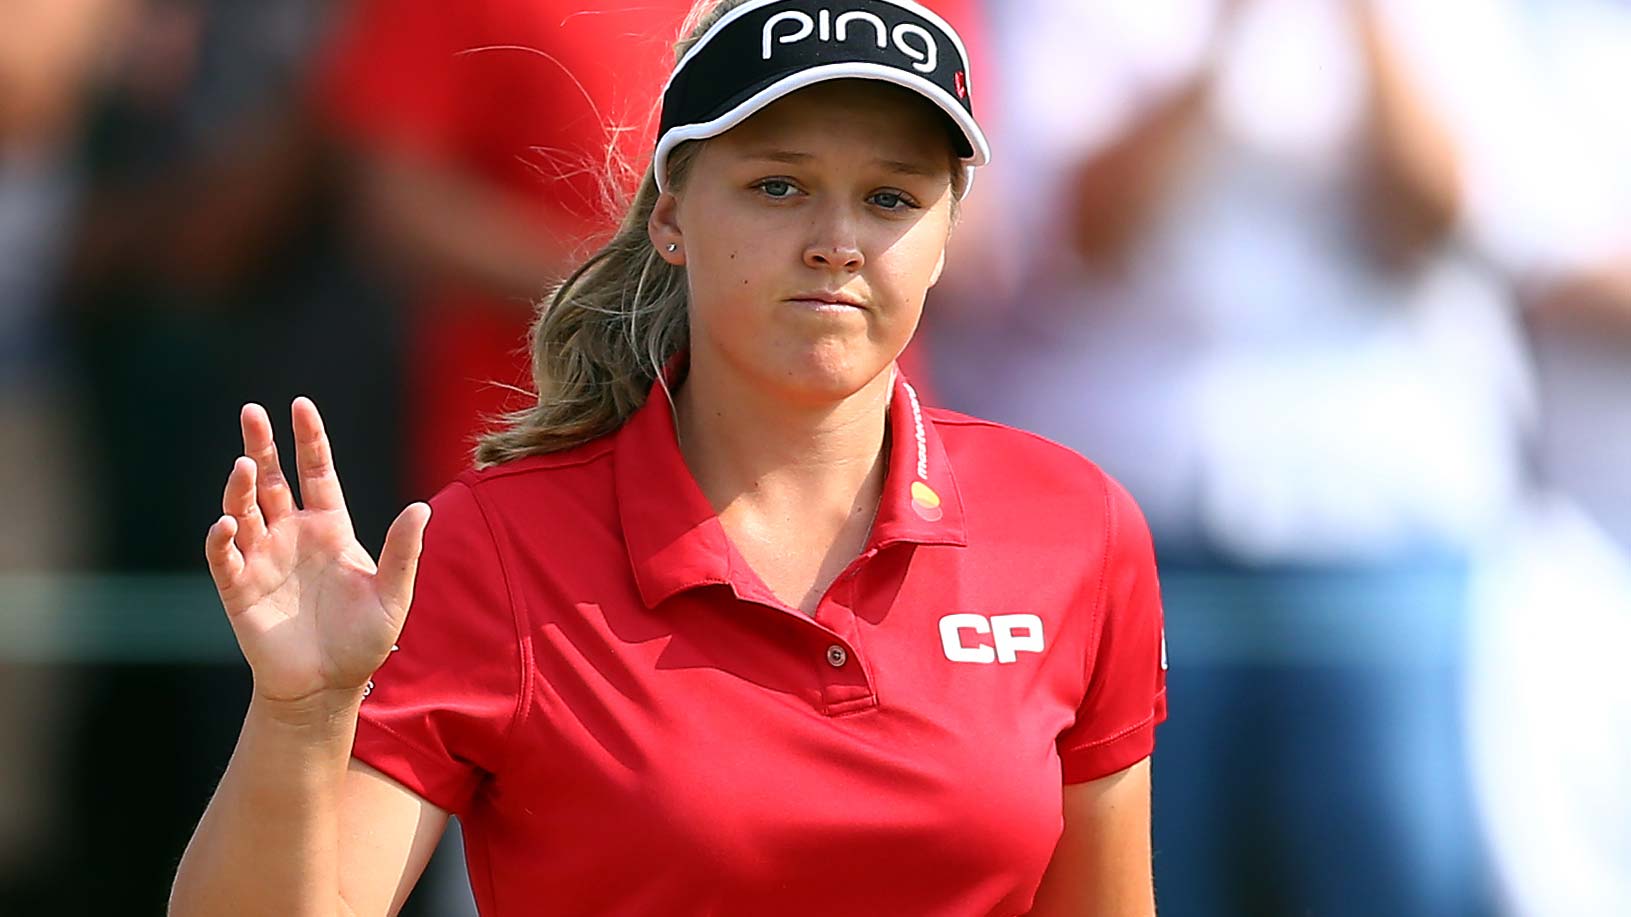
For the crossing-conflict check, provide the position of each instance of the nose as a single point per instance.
(833, 244)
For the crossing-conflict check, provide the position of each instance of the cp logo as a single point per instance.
(1010, 635)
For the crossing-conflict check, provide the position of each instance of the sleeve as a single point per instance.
(1127, 687)
(388, 77)
(438, 712)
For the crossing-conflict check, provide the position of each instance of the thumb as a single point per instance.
(399, 559)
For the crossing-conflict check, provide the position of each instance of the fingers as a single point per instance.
(222, 553)
(399, 559)
(272, 488)
(238, 501)
(319, 484)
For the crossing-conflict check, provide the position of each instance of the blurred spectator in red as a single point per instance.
(481, 133)
(480, 130)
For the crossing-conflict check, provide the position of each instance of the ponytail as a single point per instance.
(603, 335)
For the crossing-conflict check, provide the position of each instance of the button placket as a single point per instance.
(846, 685)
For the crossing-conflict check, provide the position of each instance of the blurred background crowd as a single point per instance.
(1340, 289)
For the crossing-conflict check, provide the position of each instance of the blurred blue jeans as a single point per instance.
(1314, 759)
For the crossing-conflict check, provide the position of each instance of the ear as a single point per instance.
(939, 268)
(664, 229)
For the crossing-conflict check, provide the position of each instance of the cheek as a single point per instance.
(727, 252)
(908, 265)
(728, 271)
(728, 286)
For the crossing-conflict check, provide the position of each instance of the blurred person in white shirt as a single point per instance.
(1257, 310)
(1550, 711)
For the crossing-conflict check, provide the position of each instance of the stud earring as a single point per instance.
(673, 247)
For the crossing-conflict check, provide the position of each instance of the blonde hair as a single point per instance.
(603, 335)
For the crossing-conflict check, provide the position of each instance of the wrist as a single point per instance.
(327, 710)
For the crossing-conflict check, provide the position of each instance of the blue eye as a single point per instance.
(892, 200)
(777, 188)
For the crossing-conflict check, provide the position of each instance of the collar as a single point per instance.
(674, 537)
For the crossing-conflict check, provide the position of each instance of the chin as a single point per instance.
(826, 371)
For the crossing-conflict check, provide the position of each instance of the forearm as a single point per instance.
(1596, 300)
(1116, 190)
(454, 227)
(1413, 180)
(268, 842)
(234, 207)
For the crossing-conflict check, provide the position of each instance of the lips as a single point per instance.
(834, 299)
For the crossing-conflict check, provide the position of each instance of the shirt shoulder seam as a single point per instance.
(1111, 537)
(520, 619)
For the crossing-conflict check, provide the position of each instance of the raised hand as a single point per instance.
(313, 614)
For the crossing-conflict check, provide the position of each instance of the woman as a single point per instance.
(729, 623)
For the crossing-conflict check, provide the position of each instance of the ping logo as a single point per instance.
(1010, 635)
(910, 39)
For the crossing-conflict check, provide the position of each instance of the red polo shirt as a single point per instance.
(628, 722)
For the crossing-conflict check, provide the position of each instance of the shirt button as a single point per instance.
(836, 657)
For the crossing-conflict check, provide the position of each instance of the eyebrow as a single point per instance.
(893, 165)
